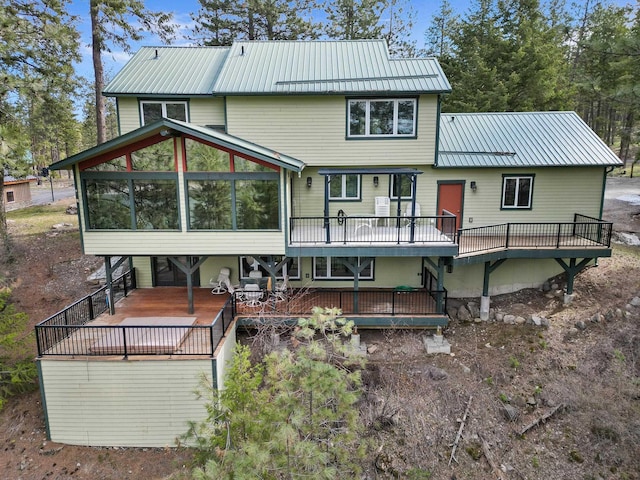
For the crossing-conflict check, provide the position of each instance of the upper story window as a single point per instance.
(382, 117)
(344, 187)
(517, 191)
(153, 110)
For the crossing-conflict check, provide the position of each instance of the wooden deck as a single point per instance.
(165, 302)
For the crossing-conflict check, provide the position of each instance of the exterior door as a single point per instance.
(166, 274)
(450, 200)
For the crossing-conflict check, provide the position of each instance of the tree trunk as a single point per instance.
(96, 42)
(4, 235)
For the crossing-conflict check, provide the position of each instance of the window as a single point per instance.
(382, 118)
(152, 111)
(333, 268)
(10, 197)
(517, 191)
(344, 187)
(401, 187)
(292, 267)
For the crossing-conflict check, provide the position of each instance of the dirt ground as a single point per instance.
(413, 403)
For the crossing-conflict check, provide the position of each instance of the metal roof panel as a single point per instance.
(520, 139)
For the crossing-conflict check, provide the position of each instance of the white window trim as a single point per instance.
(163, 104)
(343, 188)
(367, 117)
(332, 277)
(517, 179)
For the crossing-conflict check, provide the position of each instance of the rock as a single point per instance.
(571, 333)
(580, 325)
(531, 402)
(492, 314)
(463, 314)
(619, 313)
(72, 210)
(61, 226)
(510, 319)
(635, 302)
(477, 320)
(520, 320)
(372, 348)
(596, 318)
(555, 286)
(546, 286)
(499, 316)
(474, 310)
(610, 315)
(452, 311)
(536, 320)
(544, 322)
(510, 412)
(435, 373)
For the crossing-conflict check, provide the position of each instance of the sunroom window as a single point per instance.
(382, 117)
(153, 110)
(517, 191)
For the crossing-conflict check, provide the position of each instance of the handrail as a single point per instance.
(591, 233)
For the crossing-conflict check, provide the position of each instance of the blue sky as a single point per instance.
(181, 9)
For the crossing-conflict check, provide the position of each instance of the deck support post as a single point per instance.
(108, 275)
(572, 270)
(356, 270)
(188, 270)
(485, 300)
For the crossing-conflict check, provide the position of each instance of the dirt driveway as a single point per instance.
(622, 204)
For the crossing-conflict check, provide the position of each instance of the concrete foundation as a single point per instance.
(437, 344)
(485, 303)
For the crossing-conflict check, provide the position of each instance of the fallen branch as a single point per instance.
(459, 435)
(540, 420)
(495, 469)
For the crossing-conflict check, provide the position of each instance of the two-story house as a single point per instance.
(328, 166)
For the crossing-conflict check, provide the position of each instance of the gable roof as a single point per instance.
(170, 127)
(169, 71)
(276, 68)
(520, 139)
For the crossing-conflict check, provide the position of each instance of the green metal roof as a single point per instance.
(169, 71)
(171, 127)
(359, 67)
(527, 139)
(323, 67)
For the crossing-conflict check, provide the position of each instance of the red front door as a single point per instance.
(450, 201)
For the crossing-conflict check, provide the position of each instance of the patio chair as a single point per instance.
(223, 283)
(252, 295)
(383, 208)
(407, 214)
(281, 292)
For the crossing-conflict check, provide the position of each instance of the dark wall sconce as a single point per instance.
(309, 181)
(474, 186)
(376, 181)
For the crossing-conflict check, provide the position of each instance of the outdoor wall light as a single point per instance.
(474, 185)
(375, 181)
(309, 181)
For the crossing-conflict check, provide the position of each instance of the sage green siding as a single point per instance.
(128, 114)
(313, 129)
(511, 276)
(202, 111)
(558, 193)
(223, 355)
(122, 403)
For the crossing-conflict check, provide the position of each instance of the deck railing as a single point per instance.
(582, 232)
(358, 229)
(60, 336)
(374, 301)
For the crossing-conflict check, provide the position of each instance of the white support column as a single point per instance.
(485, 303)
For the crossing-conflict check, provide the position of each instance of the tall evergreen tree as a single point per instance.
(117, 22)
(220, 22)
(38, 48)
(354, 19)
(439, 35)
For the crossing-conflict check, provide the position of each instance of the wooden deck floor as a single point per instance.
(165, 302)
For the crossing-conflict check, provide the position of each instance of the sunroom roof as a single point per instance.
(169, 127)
